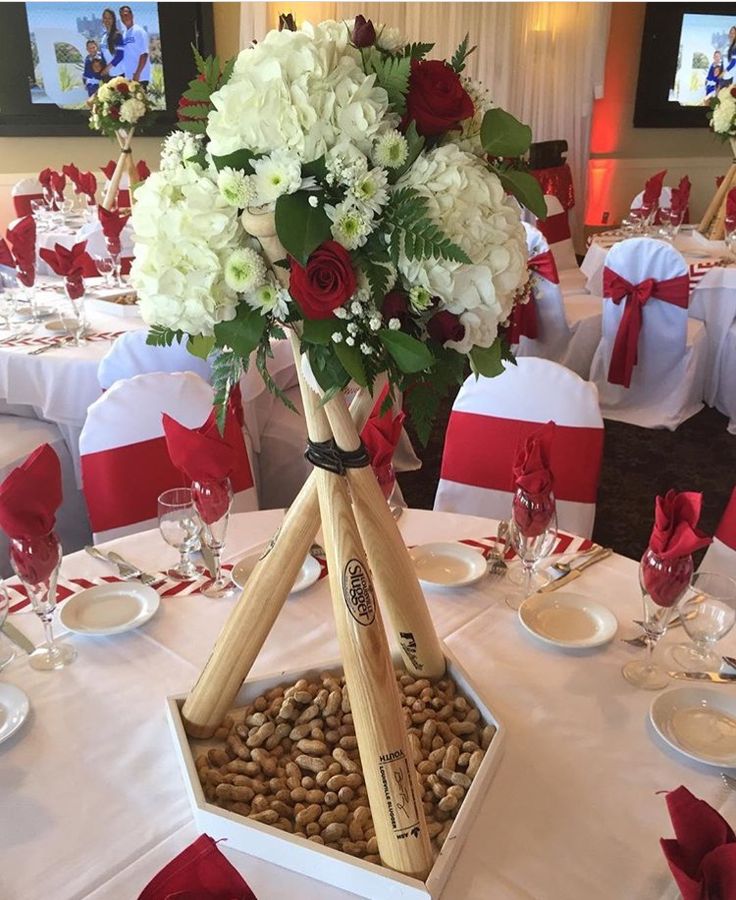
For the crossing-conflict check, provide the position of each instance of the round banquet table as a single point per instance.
(712, 289)
(94, 804)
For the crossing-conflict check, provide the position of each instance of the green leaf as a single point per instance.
(199, 60)
(198, 90)
(198, 126)
(352, 361)
(327, 368)
(317, 168)
(200, 345)
(201, 111)
(415, 145)
(409, 354)
(262, 354)
(158, 336)
(243, 333)
(318, 331)
(392, 74)
(227, 367)
(503, 135)
(422, 402)
(526, 189)
(461, 54)
(301, 228)
(488, 361)
(406, 216)
(227, 72)
(238, 159)
(417, 50)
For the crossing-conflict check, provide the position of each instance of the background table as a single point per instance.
(94, 805)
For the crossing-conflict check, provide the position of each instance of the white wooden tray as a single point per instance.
(313, 860)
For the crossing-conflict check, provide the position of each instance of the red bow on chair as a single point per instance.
(524, 316)
(544, 265)
(624, 355)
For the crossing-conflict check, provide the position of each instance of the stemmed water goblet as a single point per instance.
(708, 613)
(532, 534)
(730, 234)
(71, 310)
(105, 266)
(212, 500)
(180, 527)
(7, 299)
(7, 653)
(36, 562)
(663, 584)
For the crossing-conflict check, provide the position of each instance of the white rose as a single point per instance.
(467, 202)
(132, 110)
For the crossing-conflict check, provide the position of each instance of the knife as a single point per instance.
(17, 637)
(715, 677)
(576, 572)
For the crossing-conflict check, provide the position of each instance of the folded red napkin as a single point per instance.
(31, 494)
(142, 169)
(6, 257)
(87, 184)
(381, 435)
(532, 475)
(680, 196)
(44, 177)
(653, 189)
(73, 265)
(731, 204)
(22, 236)
(112, 225)
(109, 168)
(58, 183)
(72, 173)
(702, 856)
(200, 872)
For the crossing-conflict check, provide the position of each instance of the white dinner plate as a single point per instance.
(448, 564)
(14, 708)
(109, 608)
(24, 314)
(699, 722)
(307, 575)
(567, 620)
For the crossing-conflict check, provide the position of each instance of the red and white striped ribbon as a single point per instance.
(43, 341)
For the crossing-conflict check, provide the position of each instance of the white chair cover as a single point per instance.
(725, 400)
(569, 328)
(665, 198)
(489, 418)
(125, 463)
(22, 192)
(721, 554)
(668, 381)
(130, 355)
(19, 437)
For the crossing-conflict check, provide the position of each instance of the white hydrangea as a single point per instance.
(467, 202)
(481, 329)
(184, 232)
(468, 138)
(390, 39)
(178, 147)
(132, 110)
(278, 173)
(724, 112)
(303, 91)
(236, 188)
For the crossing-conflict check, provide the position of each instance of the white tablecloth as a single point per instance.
(712, 298)
(77, 231)
(94, 805)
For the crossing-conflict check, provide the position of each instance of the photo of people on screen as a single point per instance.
(706, 59)
(76, 47)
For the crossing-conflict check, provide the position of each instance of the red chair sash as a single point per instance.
(625, 348)
(544, 265)
(726, 531)
(523, 320)
(575, 455)
(22, 203)
(555, 228)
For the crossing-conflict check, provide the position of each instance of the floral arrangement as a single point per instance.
(722, 112)
(118, 104)
(387, 175)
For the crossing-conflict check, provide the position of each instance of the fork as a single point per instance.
(55, 346)
(730, 661)
(494, 555)
(729, 781)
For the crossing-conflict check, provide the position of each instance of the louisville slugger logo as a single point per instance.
(358, 592)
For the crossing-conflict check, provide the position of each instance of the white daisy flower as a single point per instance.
(244, 270)
(420, 298)
(269, 298)
(350, 225)
(236, 188)
(278, 173)
(390, 150)
(370, 190)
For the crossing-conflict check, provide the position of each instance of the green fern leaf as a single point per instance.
(392, 74)
(461, 54)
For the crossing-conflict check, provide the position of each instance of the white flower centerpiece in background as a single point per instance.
(387, 177)
(722, 113)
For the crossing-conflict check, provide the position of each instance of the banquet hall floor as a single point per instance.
(638, 464)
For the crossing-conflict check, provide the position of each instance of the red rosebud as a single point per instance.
(364, 34)
(437, 101)
(325, 283)
(396, 306)
(445, 326)
(123, 88)
(114, 113)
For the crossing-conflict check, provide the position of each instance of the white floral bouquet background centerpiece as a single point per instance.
(118, 104)
(386, 176)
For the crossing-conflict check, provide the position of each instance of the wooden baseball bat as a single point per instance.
(252, 618)
(388, 767)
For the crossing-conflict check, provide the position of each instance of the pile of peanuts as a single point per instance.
(290, 759)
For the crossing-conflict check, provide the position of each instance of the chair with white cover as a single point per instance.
(19, 437)
(650, 366)
(568, 338)
(492, 416)
(125, 462)
(130, 355)
(23, 192)
(721, 554)
(725, 399)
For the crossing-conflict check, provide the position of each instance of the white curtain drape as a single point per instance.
(543, 62)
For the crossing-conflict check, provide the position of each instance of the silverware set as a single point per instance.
(61, 342)
(126, 570)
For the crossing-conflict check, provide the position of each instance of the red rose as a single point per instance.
(114, 113)
(436, 100)
(396, 306)
(325, 282)
(445, 326)
(733, 91)
(123, 88)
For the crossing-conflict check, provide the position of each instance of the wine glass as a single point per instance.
(180, 526)
(71, 310)
(212, 500)
(708, 613)
(39, 211)
(105, 265)
(7, 651)
(730, 234)
(36, 561)
(7, 299)
(532, 533)
(663, 584)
